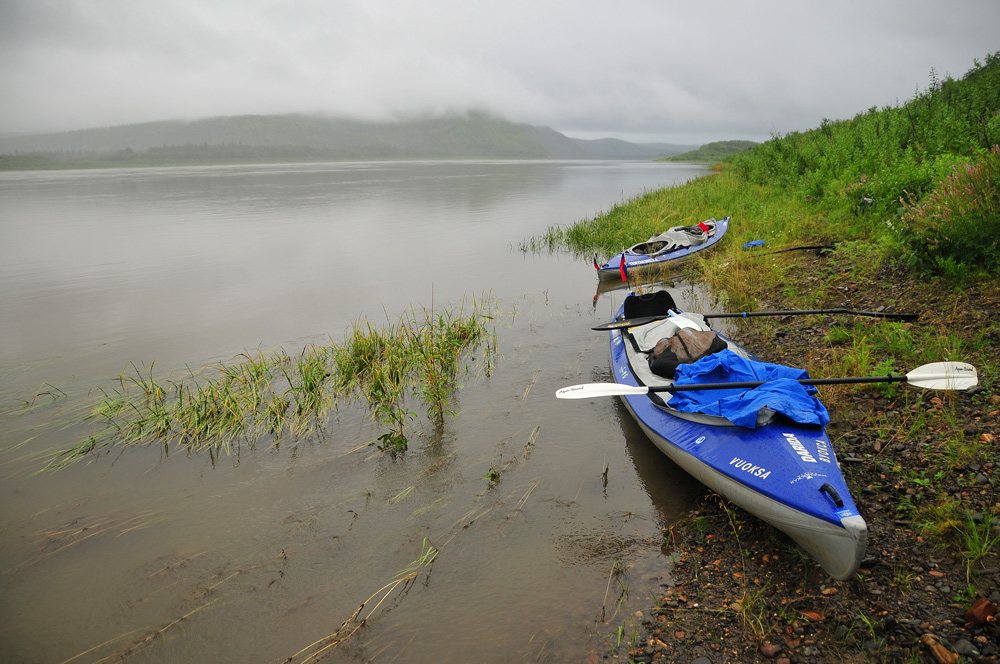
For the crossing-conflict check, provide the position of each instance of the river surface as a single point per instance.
(162, 556)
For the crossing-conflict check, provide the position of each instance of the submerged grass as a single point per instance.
(396, 589)
(215, 586)
(276, 394)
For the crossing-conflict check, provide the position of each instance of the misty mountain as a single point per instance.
(471, 136)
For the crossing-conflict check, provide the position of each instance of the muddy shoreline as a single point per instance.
(741, 591)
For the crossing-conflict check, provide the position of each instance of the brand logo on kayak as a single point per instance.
(822, 451)
(807, 476)
(700, 440)
(749, 467)
(799, 448)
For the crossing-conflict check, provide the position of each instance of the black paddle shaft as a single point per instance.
(631, 322)
(805, 312)
(758, 383)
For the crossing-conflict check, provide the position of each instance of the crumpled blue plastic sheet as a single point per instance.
(782, 392)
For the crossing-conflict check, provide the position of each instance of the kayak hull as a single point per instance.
(838, 549)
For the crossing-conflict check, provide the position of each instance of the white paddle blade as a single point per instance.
(593, 390)
(944, 376)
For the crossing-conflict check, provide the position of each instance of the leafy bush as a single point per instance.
(957, 225)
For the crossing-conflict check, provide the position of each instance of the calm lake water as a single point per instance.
(255, 556)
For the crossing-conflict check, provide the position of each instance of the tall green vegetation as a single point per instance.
(927, 167)
(919, 180)
(957, 223)
(277, 394)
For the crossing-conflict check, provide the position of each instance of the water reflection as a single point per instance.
(668, 486)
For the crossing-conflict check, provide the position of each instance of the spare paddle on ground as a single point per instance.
(632, 322)
(819, 248)
(934, 376)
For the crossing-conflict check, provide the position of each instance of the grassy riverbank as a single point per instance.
(910, 196)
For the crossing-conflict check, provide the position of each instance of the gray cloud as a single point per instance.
(687, 71)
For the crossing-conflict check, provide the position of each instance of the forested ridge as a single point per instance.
(303, 138)
(713, 152)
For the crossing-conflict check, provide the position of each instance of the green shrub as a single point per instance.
(955, 228)
(880, 156)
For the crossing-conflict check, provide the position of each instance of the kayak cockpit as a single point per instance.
(678, 237)
(640, 342)
(680, 350)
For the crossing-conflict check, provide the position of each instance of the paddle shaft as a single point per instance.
(758, 383)
(631, 322)
(805, 312)
(933, 376)
(818, 247)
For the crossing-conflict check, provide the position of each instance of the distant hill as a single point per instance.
(713, 152)
(255, 138)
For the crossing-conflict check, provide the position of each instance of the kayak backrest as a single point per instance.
(658, 303)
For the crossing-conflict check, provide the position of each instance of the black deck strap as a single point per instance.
(830, 491)
(658, 400)
(680, 338)
(653, 396)
(635, 344)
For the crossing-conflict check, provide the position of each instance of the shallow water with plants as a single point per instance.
(238, 485)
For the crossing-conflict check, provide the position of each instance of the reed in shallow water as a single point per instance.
(272, 394)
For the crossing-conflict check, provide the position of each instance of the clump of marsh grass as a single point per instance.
(275, 394)
(422, 355)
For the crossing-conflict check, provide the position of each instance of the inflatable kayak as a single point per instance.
(670, 247)
(766, 452)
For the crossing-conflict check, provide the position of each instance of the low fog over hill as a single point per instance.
(312, 136)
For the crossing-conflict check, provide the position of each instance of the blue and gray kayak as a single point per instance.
(779, 464)
(672, 247)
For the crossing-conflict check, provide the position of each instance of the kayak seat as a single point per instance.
(658, 303)
(651, 248)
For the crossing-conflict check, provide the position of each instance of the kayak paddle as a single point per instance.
(934, 376)
(632, 322)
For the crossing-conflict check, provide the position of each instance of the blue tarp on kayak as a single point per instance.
(782, 393)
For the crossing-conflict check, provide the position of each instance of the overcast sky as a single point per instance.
(683, 72)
